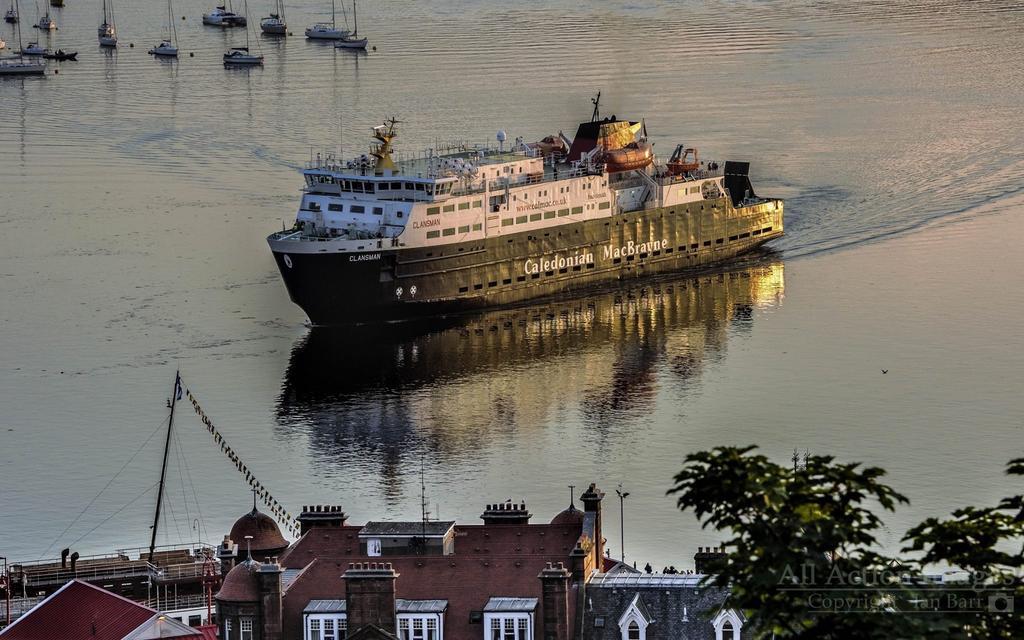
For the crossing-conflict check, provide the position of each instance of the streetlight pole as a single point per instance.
(622, 520)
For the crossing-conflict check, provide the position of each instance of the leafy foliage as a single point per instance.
(800, 560)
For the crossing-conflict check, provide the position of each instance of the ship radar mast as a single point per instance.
(384, 134)
(597, 108)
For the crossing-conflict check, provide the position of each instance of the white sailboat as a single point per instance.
(223, 16)
(352, 41)
(169, 47)
(107, 32)
(241, 55)
(326, 30)
(274, 24)
(20, 66)
(45, 23)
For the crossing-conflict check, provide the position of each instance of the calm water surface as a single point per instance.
(135, 195)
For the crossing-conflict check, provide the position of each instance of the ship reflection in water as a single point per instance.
(461, 389)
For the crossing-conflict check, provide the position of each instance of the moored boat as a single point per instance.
(241, 56)
(34, 49)
(379, 239)
(352, 41)
(168, 48)
(21, 67)
(46, 23)
(275, 24)
(223, 17)
(327, 30)
(107, 31)
(61, 54)
(11, 16)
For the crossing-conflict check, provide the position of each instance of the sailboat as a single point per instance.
(241, 55)
(223, 16)
(274, 24)
(168, 47)
(21, 66)
(107, 31)
(45, 23)
(11, 17)
(326, 30)
(352, 41)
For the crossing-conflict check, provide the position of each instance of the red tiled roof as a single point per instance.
(241, 584)
(209, 631)
(79, 611)
(489, 560)
(266, 536)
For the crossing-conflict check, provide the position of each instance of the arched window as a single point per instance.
(633, 631)
(727, 625)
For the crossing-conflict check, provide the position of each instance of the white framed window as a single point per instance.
(227, 628)
(727, 625)
(326, 626)
(245, 629)
(419, 626)
(373, 547)
(508, 626)
(634, 620)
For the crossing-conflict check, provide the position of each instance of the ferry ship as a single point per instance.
(382, 237)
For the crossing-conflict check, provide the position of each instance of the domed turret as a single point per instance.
(571, 515)
(266, 536)
(241, 584)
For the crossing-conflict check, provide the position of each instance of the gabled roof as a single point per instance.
(79, 611)
(637, 606)
(161, 626)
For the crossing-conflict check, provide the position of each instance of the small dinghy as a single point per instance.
(61, 54)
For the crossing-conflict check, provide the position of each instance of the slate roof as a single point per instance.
(401, 606)
(161, 626)
(79, 611)
(435, 529)
(511, 604)
(676, 604)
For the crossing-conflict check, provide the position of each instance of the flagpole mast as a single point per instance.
(163, 470)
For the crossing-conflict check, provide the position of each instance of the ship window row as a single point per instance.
(451, 231)
(355, 208)
(548, 215)
(533, 276)
(449, 208)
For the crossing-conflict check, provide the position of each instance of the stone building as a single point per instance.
(505, 579)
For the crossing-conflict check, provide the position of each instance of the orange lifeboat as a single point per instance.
(683, 161)
(634, 155)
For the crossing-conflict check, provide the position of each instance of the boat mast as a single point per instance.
(355, 20)
(332, 15)
(163, 470)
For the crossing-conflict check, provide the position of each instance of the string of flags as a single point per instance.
(275, 507)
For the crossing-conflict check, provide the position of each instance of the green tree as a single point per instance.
(800, 557)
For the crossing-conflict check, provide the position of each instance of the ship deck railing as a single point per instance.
(123, 563)
(167, 604)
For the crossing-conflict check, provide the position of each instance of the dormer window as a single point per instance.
(727, 625)
(634, 620)
(509, 618)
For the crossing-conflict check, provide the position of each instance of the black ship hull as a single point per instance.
(386, 283)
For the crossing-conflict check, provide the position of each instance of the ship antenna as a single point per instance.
(597, 108)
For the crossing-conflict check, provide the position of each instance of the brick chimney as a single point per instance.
(320, 515)
(269, 575)
(227, 553)
(370, 595)
(554, 581)
(506, 513)
(705, 558)
(591, 500)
